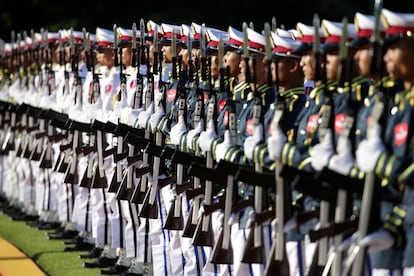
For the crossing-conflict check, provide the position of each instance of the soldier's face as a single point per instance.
(167, 53)
(54, 54)
(106, 57)
(306, 62)
(232, 59)
(399, 59)
(126, 55)
(362, 60)
(286, 66)
(196, 53)
(184, 53)
(332, 66)
(214, 66)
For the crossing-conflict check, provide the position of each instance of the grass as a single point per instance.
(48, 254)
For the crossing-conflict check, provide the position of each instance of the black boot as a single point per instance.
(101, 262)
(95, 252)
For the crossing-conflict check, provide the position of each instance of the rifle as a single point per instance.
(150, 204)
(223, 251)
(340, 226)
(175, 220)
(203, 235)
(99, 179)
(254, 252)
(139, 192)
(62, 62)
(86, 180)
(277, 263)
(46, 154)
(327, 120)
(372, 188)
(71, 175)
(115, 185)
(191, 223)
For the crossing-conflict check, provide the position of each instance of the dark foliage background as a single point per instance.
(20, 15)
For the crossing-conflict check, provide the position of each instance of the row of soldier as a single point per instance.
(189, 150)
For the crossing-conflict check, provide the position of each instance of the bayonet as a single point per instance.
(274, 25)
(343, 53)
(155, 45)
(203, 41)
(246, 52)
(174, 54)
(190, 57)
(173, 44)
(203, 52)
(134, 46)
(115, 30)
(72, 43)
(86, 43)
(316, 47)
(142, 42)
(134, 36)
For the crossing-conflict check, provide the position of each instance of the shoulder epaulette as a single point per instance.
(388, 82)
(294, 91)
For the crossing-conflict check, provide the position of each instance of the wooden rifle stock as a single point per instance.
(254, 251)
(175, 220)
(203, 234)
(304, 217)
(150, 204)
(117, 176)
(86, 180)
(239, 205)
(223, 249)
(334, 228)
(46, 156)
(99, 179)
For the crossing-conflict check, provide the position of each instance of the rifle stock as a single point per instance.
(175, 220)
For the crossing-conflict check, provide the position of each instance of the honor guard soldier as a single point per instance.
(288, 82)
(391, 151)
(101, 226)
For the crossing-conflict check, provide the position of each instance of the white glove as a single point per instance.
(273, 224)
(156, 117)
(207, 137)
(370, 149)
(250, 219)
(343, 161)
(223, 147)
(321, 152)
(348, 242)
(178, 130)
(112, 117)
(133, 115)
(192, 133)
(275, 143)
(378, 240)
(291, 224)
(251, 142)
(143, 117)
